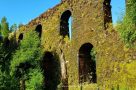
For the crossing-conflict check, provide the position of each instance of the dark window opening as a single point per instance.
(51, 71)
(87, 66)
(39, 29)
(107, 13)
(64, 24)
(20, 37)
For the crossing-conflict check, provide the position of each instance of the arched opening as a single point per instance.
(65, 24)
(107, 13)
(39, 29)
(113, 11)
(87, 64)
(20, 37)
(51, 71)
(118, 10)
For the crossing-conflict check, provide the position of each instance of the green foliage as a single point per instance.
(0, 29)
(93, 54)
(1, 54)
(131, 10)
(28, 51)
(4, 27)
(26, 61)
(127, 27)
(6, 81)
(35, 79)
(13, 28)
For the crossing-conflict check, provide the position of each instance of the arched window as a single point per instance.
(113, 11)
(107, 13)
(20, 37)
(51, 71)
(39, 29)
(65, 24)
(118, 10)
(87, 66)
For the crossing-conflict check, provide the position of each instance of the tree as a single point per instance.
(6, 81)
(4, 27)
(131, 10)
(127, 27)
(13, 28)
(26, 62)
(0, 34)
(0, 29)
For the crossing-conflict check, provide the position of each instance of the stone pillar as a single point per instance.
(63, 72)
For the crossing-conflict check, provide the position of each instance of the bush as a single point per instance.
(127, 27)
(25, 64)
(6, 81)
(35, 80)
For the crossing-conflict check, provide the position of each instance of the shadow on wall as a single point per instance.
(51, 70)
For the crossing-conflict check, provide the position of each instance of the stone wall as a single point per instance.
(113, 59)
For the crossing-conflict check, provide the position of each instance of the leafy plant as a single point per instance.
(127, 27)
(4, 27)
(26, 62)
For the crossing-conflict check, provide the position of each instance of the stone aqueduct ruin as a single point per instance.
(90, 30)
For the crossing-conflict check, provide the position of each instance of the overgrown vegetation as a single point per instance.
(19, 67)
(25, 64)
(6, 49)
(127, 27)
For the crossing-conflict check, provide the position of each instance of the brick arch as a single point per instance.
(87, 66)
(64, 24)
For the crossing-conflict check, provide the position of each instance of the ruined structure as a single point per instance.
(114, 63)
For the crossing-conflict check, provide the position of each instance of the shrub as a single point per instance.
(25, 64)
(127, 27)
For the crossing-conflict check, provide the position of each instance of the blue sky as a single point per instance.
(22, 11)
(118, 8)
